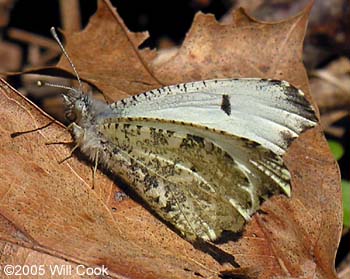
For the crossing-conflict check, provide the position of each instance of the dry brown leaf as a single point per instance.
(39, 263)
(244, 48)
(328, 30)
(114, 65)
(54, 210)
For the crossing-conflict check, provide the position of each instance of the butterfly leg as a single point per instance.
(70, 154)
(95, 169)
(75, 129)
(16, 134)
(60, 135)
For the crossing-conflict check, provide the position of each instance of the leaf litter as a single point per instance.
(51, 208)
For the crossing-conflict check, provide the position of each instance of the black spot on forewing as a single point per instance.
(225, 104)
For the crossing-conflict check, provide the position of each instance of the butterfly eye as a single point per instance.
(80, 105)
(71, 116)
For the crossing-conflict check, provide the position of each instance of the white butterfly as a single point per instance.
(202, 155)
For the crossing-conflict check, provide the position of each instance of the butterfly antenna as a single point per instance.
(55, 36)
(41, 83)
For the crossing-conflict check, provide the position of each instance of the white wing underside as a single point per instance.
(268, 112)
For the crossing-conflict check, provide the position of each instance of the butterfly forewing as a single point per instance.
(189, 175)
(269, 112)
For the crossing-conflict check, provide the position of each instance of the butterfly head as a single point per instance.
(76, 105)
(82, 109)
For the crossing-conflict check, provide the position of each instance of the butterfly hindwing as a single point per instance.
(190, 175)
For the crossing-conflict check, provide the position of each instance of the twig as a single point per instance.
(32, 39)
(70, 15)
(328, 119)
(332, 79)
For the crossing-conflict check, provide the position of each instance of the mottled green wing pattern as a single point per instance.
(203, 155)
(200, 180)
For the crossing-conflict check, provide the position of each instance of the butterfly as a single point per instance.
(202, 155)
